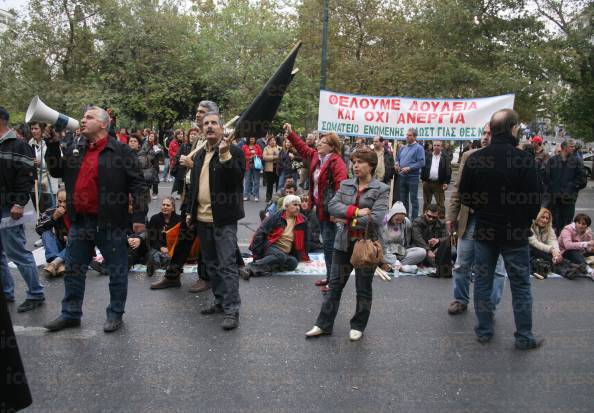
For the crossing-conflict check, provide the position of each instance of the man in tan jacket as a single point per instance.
(460, 221)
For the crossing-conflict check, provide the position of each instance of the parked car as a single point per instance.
(588, 157)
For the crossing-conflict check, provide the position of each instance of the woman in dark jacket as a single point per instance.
(145, 160)
(153, 152)
(326, 171)
(360, 201)
(288, 164)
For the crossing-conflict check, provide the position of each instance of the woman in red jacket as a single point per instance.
(251, 181)
(326, 171)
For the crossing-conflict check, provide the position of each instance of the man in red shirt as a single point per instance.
(100, 173)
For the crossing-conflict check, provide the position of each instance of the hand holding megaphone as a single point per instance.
(40, 112)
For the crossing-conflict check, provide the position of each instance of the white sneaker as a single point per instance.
(154, 196)
(38, 243)
(355, 335)
(245, 198)
(256, 199)
(314, 332)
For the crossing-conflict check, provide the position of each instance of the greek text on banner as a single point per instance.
(391, 117)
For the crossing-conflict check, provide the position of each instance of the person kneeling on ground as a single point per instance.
(53, 226)
(159, 224)
(575, 241)
(396, 233)
(430, 233)
(280, 241)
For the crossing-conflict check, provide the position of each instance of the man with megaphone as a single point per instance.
(99, 174)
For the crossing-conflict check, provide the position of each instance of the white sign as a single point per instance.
(391, 117)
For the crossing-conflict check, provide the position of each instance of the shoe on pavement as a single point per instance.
(245, 198)
(483, 339)
(245, 273)
(61, 270)
(321, 283)
(315, 332)
(213, 309)
(529, 345)
(199, 286)
(230, 321)
(355, 335)
(29, 305)
(456, 307)
(166, 282)
(49, 271)
(256, 199)
(112, 325)
(61, 323)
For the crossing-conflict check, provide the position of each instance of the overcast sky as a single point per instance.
(13, 4)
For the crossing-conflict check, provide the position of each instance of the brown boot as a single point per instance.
(166, 282)
(199, 286)
(49, 271)
(60, 270)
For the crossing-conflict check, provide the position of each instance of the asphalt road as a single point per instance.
(414, 357)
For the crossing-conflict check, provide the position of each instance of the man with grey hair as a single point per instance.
(100, 174)
(564, 177)
(280, 241)
(409, 162)
(436, 176)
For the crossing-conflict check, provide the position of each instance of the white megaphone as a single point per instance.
(40, 112)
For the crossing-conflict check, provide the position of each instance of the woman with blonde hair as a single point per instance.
(543, 242)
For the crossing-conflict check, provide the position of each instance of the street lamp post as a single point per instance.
(324, 47)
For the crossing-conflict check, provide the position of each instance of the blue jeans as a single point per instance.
(328, 232)
(165, 168)
(462, 271)
(83, 236)
(274, 260)
(251, 183)
(517, 263)
(52, 247)
(13, 245)
(408, 186)
(218, 248)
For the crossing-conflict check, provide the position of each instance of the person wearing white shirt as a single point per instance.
(436, 176)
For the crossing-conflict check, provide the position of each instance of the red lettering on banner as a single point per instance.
(472, 105)
(346, 114)
(446, 106)
(458, 106)
(368, 116)
(460, 118)
(380, 117)
(343, 101)
(414, 105)
(333, 99)
(364, 103)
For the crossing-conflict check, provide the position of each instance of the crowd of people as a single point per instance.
(511, 213)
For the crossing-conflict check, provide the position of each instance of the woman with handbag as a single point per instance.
(270, 155)
(253, 167)
(359, 207)
(326, 171)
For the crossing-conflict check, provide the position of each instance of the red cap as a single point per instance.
(536, 139)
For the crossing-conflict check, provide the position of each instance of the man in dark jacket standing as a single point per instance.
(500, 184)
(16, 182)
(436, 176)
(564, 177)
(385, 161)
(216, 192)
(99, 174)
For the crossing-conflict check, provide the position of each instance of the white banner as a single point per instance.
(391, 117)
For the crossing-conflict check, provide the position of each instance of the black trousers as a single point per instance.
(339, 275)
(270, 178)
(563, 209)
(443, 260)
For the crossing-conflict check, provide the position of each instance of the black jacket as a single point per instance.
(157, 227)
(46, 222)
(423, 231)
(500, 184)
(226, 186)
(17, 171)
(444, 173)
(564, 177)
(388, 166)
(119, 176)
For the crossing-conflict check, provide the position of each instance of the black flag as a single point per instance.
(257, 118)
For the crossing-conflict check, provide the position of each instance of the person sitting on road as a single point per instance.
(159, 224)
(575, 241)
(280, 241)
(137, 249)
(543, 242)
(396, 233)
(53, 226)
(429, 233)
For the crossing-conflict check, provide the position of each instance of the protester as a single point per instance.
(326, 172)
(286, 166)
(360, 201)
(436, 176)
(159, 224)
(99, 180)
(500, 184)
(313, 226)
(410, 160)
(310, 140)
(359, 144)
(270, 156)
(280, 242)
(183, 164)
(122, 136)
(178, 139)
(564, 177)
(542, 157)
(575, 241)
(16, 183)
(154, 153)
(53, 227)
(543, 241)
(44, 194)
(430, 233)
(397, 238)
(461, 221)
(218, 169)
(385, 161)
(253, 166)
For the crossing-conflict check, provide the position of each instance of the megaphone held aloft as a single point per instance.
(40, 112)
